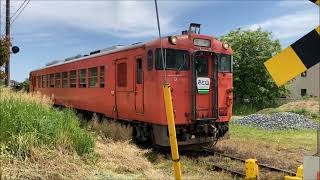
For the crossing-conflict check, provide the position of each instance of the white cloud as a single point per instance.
(293, 4)
(118, 18)
(289, 26)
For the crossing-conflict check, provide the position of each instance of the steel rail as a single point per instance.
(262, 165)
(235, 173)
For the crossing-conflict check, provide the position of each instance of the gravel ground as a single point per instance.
(282, 120)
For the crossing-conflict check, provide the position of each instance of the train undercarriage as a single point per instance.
(190, 137)
(199, 134)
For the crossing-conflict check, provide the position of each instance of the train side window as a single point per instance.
(122, 75)
(139, 71)
(65, 79)
(39, 81)
(175, 59)
(73, 79)
(225, 63)
(93, 77)
(83, 78)
(102, 76)
(51, 80)
(150, 60)
(58, 80)
(48, 81)
(34, 81)
(44, 80)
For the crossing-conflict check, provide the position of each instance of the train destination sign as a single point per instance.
(203, 85)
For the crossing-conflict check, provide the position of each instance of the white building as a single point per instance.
(307, 84)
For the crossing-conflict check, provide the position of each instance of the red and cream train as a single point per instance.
(125, 83)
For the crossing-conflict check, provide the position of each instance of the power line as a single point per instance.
(15, 18)
(18, 8)
(164, 65)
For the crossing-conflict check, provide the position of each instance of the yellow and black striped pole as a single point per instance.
(295, 59)
(315, 1)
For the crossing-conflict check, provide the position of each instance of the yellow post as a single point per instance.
(300, 171)
(252, 169)
(299, 175)
(172, 131)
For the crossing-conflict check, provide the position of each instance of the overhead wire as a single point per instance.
(18, 9)
(161, 49)
(15, 18)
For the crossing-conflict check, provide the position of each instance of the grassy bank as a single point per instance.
(303, 139)
(29, 121)
(39, 142)
(296, 139)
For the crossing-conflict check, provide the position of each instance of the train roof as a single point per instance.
(109, 50)
(105, 51)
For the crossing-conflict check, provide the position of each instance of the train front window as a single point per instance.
(202, 66)
(175, 59)
(225, 63)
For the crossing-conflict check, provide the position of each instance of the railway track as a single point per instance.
(262, 167)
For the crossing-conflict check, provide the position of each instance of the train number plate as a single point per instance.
(203, 85)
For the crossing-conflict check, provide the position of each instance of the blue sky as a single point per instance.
(53, 30)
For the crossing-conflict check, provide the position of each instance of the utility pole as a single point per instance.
(7, 68)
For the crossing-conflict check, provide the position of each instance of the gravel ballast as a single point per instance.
(281, 120)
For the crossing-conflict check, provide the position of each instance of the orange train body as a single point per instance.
(125, 83)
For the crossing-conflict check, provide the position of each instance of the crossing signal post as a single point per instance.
(292, 61)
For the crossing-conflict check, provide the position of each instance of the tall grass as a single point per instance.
(29, 120)
(110, 129)
(240, 109)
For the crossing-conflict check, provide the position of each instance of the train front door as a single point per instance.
(139, 88)
(204, 87)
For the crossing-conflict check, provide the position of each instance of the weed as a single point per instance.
(243, 109)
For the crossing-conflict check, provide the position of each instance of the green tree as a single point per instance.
(4, 54)
(25, 85)
(251, 80)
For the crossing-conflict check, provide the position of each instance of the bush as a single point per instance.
(29, 120)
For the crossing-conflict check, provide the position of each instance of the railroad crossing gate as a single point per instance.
(297, 58)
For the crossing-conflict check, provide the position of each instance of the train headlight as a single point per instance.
(173, 40)
(225, 45)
